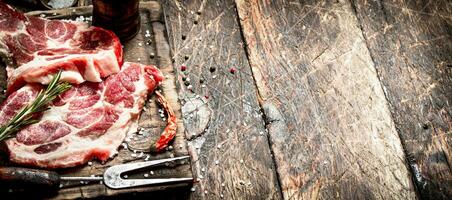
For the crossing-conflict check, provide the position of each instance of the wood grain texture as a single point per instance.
(227, 138)
(135, 50)
(411, 45)
(329, 123)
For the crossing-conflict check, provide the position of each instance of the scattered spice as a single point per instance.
(186, 83)
(198, 12)
(206, 96)
(232, 70)
(186, 57)
(212, 69)
(151, 55)
(195, 22)
(184, 37)
(149, 42)
(184, 78)
(425, 126)
(183, 68)
(201, 80)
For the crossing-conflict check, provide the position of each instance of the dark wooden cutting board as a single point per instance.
(150, 46)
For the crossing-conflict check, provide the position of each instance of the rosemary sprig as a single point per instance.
(25, 115)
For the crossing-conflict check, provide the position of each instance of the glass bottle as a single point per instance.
(120, 16)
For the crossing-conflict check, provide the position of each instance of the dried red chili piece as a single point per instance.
(171, 127)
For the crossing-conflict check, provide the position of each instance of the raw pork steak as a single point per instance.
(88, 121)
(34, 48)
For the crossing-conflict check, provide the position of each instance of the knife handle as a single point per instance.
(28, 178)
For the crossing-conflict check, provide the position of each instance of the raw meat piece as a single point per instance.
(88, 121)
(34, 48)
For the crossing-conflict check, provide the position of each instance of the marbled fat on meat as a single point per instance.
(35, 48)
(88, 121)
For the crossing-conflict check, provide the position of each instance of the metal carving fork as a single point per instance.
(24, 177)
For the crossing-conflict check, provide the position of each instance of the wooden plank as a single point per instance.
(227, 138)
(330, 126)
(411, 44)
(136, 50)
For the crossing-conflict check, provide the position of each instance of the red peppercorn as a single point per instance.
(207, 96)
(232, 70)
(183, 68)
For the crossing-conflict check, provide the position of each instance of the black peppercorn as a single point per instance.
(212, 69)
(184, 37)
(425, 126)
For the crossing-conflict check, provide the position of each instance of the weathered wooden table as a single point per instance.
(315, 99)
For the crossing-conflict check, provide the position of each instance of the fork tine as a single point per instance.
(132, 166)
(141, 182)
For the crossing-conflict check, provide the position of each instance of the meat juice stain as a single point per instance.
(120, 16)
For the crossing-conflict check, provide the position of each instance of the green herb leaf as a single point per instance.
(25, 115)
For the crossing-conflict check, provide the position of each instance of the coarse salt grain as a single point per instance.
(60, 3)
(217, 162)
(90, 163)
(192, 189)
(146, 175)
(152, 172)
(222, 185)
(241, 160)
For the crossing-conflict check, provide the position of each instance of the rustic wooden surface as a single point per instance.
(330, 100)
(410, 43)
(227, 138)
(136, 50)
(329, 124)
